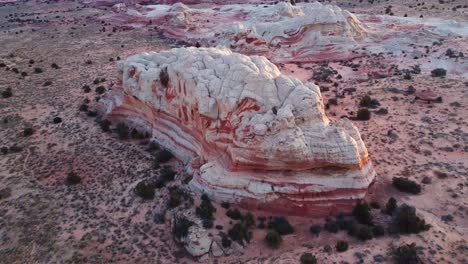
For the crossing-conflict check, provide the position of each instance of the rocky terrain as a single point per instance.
(67, 181)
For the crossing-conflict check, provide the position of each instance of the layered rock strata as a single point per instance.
(248, 133)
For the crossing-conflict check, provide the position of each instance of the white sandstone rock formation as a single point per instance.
(248, 133)
(281, 32)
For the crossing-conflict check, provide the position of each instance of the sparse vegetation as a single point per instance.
(407, 221)
(57, 120)
(361, 213)
(163, 156)
(73, 178)
(308, 258)
(341, 246)
(100, 89)
(281, 225)
(315, 229)
(28, 131)
(105, 125)
(273, 239)
(365, 101)
(234, 214)
(439, 72)
(363, 114)
(206, 209)
(144, 190)
(122, 130)
(181, 227)
(407, 254)
(164, 77)
(7, 93)
(390, 206)
(406, 185)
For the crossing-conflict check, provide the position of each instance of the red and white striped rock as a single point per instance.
(248, 133)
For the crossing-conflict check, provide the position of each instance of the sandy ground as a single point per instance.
(42, 220)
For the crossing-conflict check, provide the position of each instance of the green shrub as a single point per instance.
(341, 246)
(378, 231)
(273, 239)
(163, 156)
(362, 232)
(7, 93)
(408, 222)
(122, 130)
(365, 101)
(225, 241)
(205, 210)
(167, 174)
(362, 213)
(281, 225)
(164, 77)
(225, 205)
(315, 229)
(73, 178)
(406, 185)
(144, 190)
(105, 125)
(248, 220)
(331, 226)
(234, 214)
(363, 114)
(238, 233)
(439, 72)
(28, 131)
(176, 197)
(391, 206)
(181, 227)
(308, 258)
(406, 254)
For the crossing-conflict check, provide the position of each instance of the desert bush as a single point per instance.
(273, 239)
(105, 125)
(390, 206)
(54, 65)
(136, 134)
(361, 213)
(331, 226)
(225, 205)
(164, 77)
(406, 185)
(7, 93)
(86, 88)
(144, 190)
(181, 227)
(57, 120)
(341, 246)
(28, 131)
(100, 89)
(407, 254)
(363, 114)
(167, 174)
(38, 70)
(73, 178)
(225, 241)
(164, 156)
(362, 232)
(238, 233)
(207, 223)
(407, 221)
(308, 258)
(439, 72)
(375, 205)
(122, 130)
(378, 231)
(205, 210)
(234, 214)
(175, 198)
(365, 101)
(281, 225)
(315, 229)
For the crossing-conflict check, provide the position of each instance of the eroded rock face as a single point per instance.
(248, 133)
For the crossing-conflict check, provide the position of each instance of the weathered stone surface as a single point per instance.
(248, 133)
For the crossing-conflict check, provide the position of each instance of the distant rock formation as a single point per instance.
(282, 32)
(248, 133)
